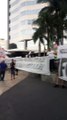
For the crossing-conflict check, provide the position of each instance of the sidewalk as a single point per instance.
(8, 83)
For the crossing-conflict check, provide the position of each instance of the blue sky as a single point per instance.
(3, 19)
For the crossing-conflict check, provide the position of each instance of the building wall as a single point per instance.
(3, 43)
(22, 13)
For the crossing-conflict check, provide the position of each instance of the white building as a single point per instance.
(21, 14)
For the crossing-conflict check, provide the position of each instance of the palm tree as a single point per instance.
(51, 22)
(38, 36)
(58, 12)
(45, 23)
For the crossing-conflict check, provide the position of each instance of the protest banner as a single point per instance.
(39, 65)
(62, 51)
(62, 55)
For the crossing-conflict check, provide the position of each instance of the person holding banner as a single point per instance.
(62, 66)
(16, 70)
(58, 81)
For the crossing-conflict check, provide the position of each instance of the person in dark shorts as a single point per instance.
(3, 67)
(12, 68)
(58, 82)
(16, 70)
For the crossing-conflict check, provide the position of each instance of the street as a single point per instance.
(33, 99)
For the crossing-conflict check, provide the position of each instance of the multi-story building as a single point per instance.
(21, 14)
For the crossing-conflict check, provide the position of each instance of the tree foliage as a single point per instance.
(12, 46)
(52, 20)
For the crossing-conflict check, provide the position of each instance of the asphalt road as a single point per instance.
(33, 99)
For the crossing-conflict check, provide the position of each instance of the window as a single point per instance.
(30, 12)
(14, 27)
(27, 31)
(27, 3)
(15, 10)
(25, 22)
(15, 18)
(15, 2)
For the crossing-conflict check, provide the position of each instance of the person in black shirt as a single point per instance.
(12, 68)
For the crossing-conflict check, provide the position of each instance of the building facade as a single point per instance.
(3, 43)
(21, 14)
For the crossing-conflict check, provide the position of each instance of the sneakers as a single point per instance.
(62, 86)
(56, 85)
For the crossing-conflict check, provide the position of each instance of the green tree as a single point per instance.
(12, 46)
(44, 22)
(38, 35)
(57, 9)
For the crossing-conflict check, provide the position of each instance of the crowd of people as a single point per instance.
(3, 68)
(54, 67)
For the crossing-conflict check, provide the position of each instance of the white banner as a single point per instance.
(38, 65)
(62, 54)
(62, 51)
(63, 69)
